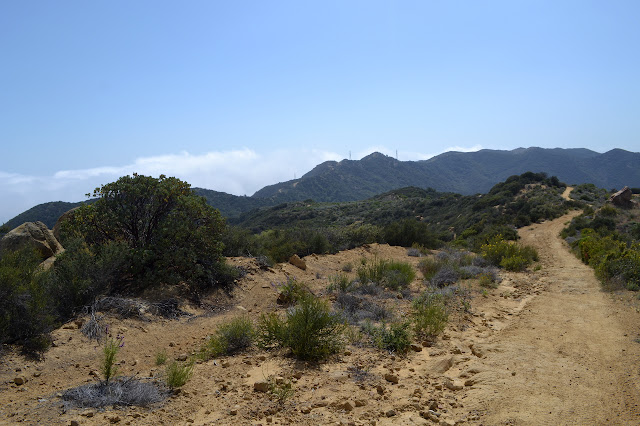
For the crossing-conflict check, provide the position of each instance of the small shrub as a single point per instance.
(238, 334)
(445, 276)
(508, 255)
(291, 292)
(281, 390)
(429, 266)
(109, 351)
(230, 337)
(430, 315)
(515, 263)
(309, 330)
(413, 252)
(161, 357)
(394, 337)
(177, 374)
(347, 267)
(340, 282)
(487, 280)
(391, 274)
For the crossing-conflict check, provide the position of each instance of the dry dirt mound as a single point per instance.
(546, 347)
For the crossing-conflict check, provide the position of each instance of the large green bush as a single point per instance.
(166, 232)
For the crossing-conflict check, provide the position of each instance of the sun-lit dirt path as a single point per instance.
(570, 357)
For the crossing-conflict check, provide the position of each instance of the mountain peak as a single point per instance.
(376, 156)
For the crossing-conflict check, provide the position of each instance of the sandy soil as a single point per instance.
(546, 347)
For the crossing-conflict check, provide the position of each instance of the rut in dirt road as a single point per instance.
(569, 357)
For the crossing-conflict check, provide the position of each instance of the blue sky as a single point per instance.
(234, 95)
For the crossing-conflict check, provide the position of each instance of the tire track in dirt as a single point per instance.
(569, 358)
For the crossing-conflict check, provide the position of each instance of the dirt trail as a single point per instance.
(570, 355)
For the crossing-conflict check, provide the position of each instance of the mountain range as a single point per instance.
(459, 172)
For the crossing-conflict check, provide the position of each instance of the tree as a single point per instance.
(170, 235)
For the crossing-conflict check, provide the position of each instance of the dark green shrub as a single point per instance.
(25, 304)
(170, 235)
(407, 232)
(310, 330)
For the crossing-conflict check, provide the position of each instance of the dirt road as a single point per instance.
(570, 357)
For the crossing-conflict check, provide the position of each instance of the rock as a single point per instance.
(114, 419)
(297, 262)
(261, 386)
(390, 413)
(346, 406)
(416, 347)
(391, 378)
(74, 423)
(622, 198)
(305, 410)
(476, 350)
(65, 217)
(454, 386)
(360, 402)
(182, 357)
(20, 380)
(442, 365)
(380, 389)
(34, 234)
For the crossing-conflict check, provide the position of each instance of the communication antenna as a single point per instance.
(349, 155)
(396, 155)
(294, 175)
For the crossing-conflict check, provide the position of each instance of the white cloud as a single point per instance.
(238, 172)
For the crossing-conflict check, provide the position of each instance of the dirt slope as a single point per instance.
(545, 348)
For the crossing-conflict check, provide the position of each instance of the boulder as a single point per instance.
(297, 262)
(622, 198)
(65, 216)
(35, 234)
